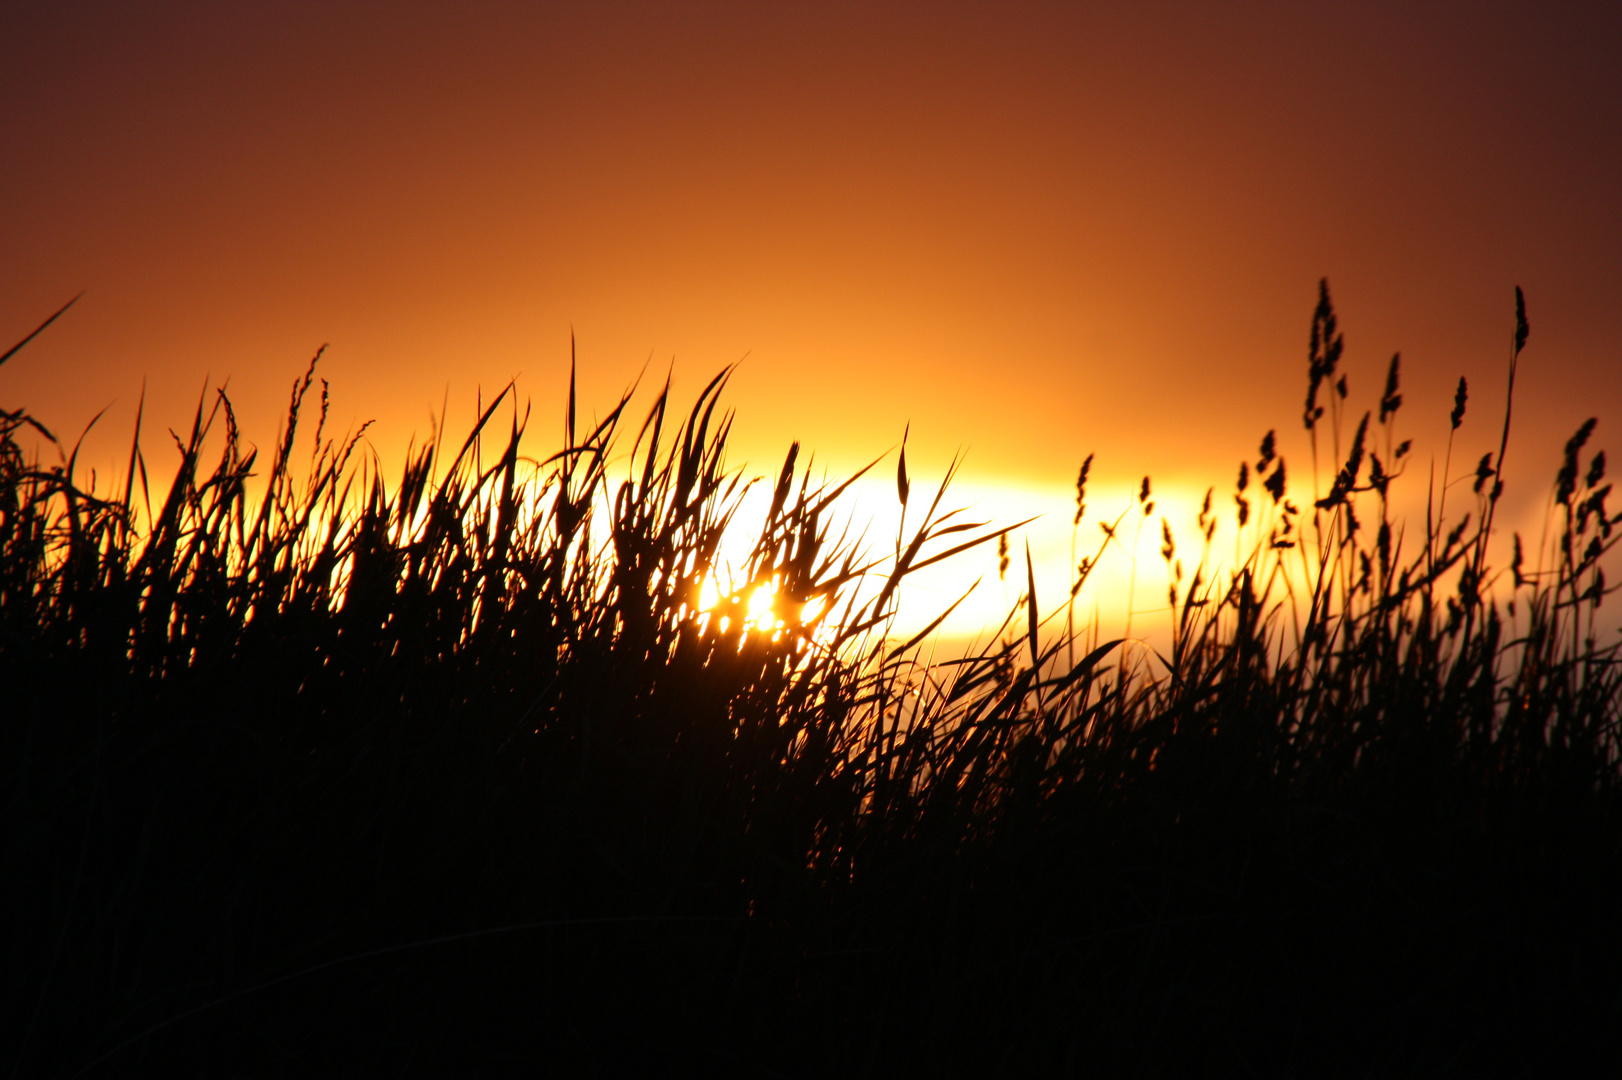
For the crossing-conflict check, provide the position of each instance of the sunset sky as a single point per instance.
(1032, 231)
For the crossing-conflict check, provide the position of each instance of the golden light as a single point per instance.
(1130, 577)
(709, 594)
(763, 606)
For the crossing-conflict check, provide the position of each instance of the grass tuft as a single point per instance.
(308, 770)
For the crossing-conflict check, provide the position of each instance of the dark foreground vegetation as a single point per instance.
(448, 775)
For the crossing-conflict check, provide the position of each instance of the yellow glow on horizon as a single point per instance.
(871, 512)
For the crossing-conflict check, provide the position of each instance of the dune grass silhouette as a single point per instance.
(307, 770)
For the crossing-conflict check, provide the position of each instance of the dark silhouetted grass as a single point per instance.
(307, 771)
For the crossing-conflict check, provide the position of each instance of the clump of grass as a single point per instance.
(354, 774)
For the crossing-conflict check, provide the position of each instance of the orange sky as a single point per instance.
(1032, 231)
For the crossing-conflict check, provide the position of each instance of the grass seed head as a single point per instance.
(1522, 327)
(1390, 400)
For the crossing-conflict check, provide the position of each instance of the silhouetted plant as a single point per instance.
(289, 751)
